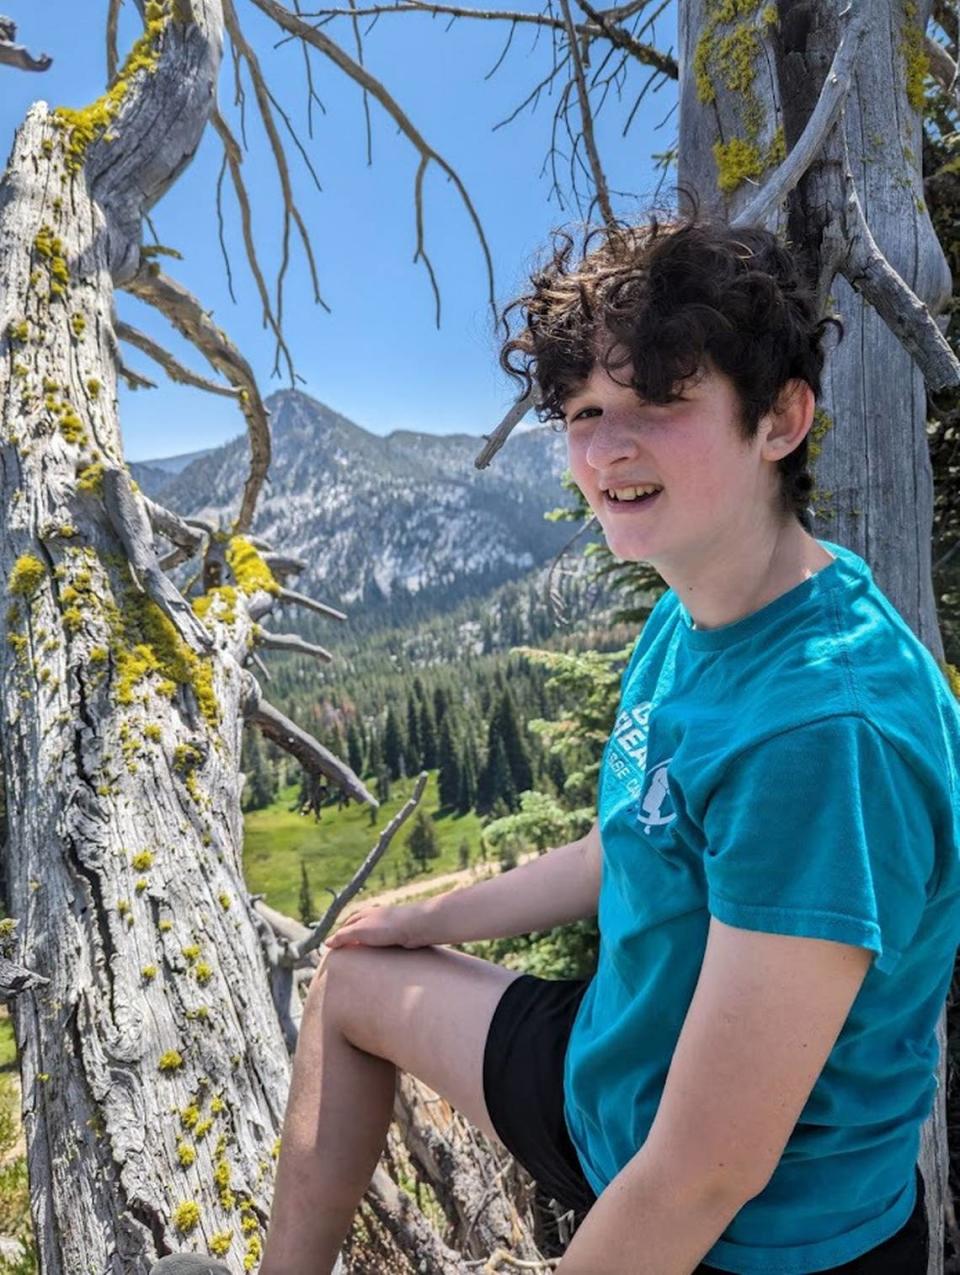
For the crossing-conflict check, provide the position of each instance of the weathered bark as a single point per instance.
(156, 1038)
(873, 468)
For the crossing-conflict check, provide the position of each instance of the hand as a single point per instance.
(373, 926)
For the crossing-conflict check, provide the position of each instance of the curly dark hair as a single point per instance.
(662, 298)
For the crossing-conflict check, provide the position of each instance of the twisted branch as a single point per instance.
(176, 371)
(193, 322)
(291, 642)
(309, 752)
(586, 118)
(311, 604)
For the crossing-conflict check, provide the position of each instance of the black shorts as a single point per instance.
(523, 1088)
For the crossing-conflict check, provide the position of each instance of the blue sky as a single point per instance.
(378, 357)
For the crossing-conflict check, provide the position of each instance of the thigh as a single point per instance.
(427, 1010)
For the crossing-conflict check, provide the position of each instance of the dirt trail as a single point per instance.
(430, 885)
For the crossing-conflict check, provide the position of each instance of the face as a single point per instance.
(711, 488)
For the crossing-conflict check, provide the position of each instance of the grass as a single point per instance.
(276, 839)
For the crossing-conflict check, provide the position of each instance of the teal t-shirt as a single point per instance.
(793, 772)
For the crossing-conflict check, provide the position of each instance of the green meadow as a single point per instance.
(277, 839)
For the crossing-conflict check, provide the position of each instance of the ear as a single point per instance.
(785, 428)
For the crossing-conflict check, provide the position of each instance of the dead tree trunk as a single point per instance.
(154, 1069)
(748, 90)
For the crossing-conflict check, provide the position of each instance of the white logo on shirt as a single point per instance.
(651, 813)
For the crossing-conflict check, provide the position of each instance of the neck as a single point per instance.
(727, 584)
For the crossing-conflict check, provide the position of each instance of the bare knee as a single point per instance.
(345, 992)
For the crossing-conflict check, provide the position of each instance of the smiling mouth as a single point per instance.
(622, 504)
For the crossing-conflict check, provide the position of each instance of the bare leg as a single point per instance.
(370, 1011)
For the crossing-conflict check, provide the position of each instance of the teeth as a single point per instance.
(631, 493)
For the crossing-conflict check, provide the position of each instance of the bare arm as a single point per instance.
(559, 886)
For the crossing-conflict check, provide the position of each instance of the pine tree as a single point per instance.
(354, 750)
(467, 794)
(422, 840)
(518, 755)
(308, 911)
(495, 784)
(449, 776)
(413, 752)
(441, 704)
(393, 746)
(428, 737)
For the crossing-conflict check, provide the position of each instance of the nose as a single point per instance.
(614, 438)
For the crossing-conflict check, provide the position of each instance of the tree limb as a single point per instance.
(113, 55)
(171, 525)
(603, 25)
(302, 30)
(193, 322)
(15, 979)
(16, 55)
(311, 604)
(866, 268)
(824, 117)
(311, 754)
(500, 435)
(359, 878)
(176, 371)
(282, 564)
(129, 520)
(586, 118)
(290, 642)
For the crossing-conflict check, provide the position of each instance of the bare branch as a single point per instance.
(867, 269)
(260, 666)
(943, 68)
(363, 872)
(16, 55)
(113, 54)
(129, 519)
(311, 604)
(133, 379)
(15, 979)
(234, 158)
(500, 435)
(825, 115)
(311, 754)
(193, 322)
(172, 526)
(290, 642)
(265, 102)
(297, 27)
(586, 118)
(283, 565)
(604, 25)
(176, 371)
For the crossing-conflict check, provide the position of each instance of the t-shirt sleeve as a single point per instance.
(821, 832)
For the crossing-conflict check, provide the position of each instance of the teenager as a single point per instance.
(741, 1085)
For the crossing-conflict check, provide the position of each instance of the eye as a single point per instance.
(584, 411)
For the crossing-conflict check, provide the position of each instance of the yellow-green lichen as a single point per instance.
(141, 885)
(90, 478)
(19, 331)
(164, 926)
(78, 325)
(249, 569)
(952, 674)
(150, 644)
(81, 128)
(737, 161)
(217, 1104)
(149, 972)
(203, 972)
(186, 1216)
(186, 759)
(185, 1154)
(224, 901)
(202, 1128)
(220, 1243)
(916, 61)
(822, 424)
(26, 576)
(191, 952)
(222, 601)
(98, 655)
(170, 1061)
(142, 861)
(94, 387)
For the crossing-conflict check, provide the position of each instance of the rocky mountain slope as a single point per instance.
(382, 521)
